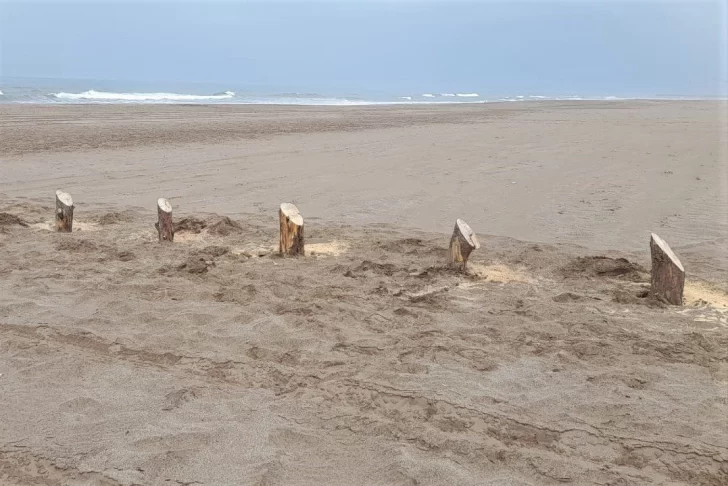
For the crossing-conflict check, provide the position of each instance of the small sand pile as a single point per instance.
(602, 266)
(213, 251)
(76, 245)
(224, 227)
(196, 265)
(7, 219)
(116, 218)
(216, 225)
(189, 224)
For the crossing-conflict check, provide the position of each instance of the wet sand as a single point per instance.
(214, 361)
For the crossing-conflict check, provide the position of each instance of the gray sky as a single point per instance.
(605, 47)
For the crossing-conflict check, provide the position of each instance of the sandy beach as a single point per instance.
(214, 361)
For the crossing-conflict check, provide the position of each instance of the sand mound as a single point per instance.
(215, 225)
(638, 297)
(375, 268)
(76, 245)
(601, 266)
(196, 265)
(224, 227)
(116, 218)
(11, 220)
(571, 297)
(192, 229)
(189, 224)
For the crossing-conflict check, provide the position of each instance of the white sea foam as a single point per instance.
(534, 97)
(2, 94)
(311, 101)
(93, 95)
(447, 94)
(428, 95)
(467, 95)
(408, 98)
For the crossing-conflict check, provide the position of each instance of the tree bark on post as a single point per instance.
(291, 241)
(64, 212)
(164, 220)
(668, 274)
(462, 243)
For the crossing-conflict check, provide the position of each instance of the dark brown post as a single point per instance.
(164, 220)
(668, 274)
(64, 212)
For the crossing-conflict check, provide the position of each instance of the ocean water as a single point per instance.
(49, 91)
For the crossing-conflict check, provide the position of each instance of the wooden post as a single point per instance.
(462, 243)
(668, 274)
(291, 242)
(164, 220)
(64, 212)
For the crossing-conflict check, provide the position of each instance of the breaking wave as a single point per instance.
(127, 95)
(451, 95)
(93, 95)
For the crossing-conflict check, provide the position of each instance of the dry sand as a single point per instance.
(213, 361)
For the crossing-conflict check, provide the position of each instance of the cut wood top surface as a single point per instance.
(64, 197)
(468, 233)
(668, 251)
(164, 205)
(291, 212)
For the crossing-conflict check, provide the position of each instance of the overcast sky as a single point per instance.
(605, 47)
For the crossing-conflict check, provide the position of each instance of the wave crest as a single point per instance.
(93, 95)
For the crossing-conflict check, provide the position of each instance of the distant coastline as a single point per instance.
(62, 91)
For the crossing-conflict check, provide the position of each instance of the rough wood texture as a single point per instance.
(668, 274)
(291, 242)
(64, 212)
(164, 220)
(462, 243)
